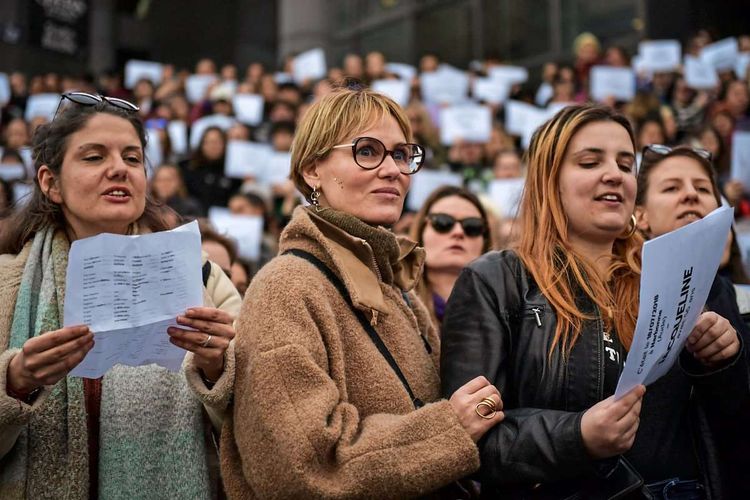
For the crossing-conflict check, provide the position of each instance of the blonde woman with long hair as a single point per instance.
(550, 323)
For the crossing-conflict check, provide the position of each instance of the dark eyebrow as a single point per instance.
(95, 145)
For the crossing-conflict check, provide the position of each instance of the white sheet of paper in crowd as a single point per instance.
(136, 70)
(398, 90)
(22, 192)
(128, 290)
(248, 108)
(490, 90)
(309, 65)
(4, 89)
(200, 125)
(154, 150)
(427, 181)
(12, 171)
(506, 194)
(246, 159)
(281, 77)
(611, 81)
(535, 118)
(41, 105)
(659, 55)
(246, 230)
(510, 75)
(699, 75)
(469, 123)
(178, 136)
(743, 63)
(406, 72)
(678, 270)
(277, 169)
(516, 115)
(740, 169)
(722, 55)
(196, 87)
(444, 86)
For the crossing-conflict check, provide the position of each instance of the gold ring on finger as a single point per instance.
(490, 402)
(489, 415)
(207, 342)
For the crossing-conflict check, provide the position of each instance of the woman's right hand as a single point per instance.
(608, 428)
(465, 400)
(47, 358)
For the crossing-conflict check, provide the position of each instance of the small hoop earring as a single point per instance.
(632, 230)
(315, 199)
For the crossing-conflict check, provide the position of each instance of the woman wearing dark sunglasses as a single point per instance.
(124, 435)
(339, 397)
(676, 187)
(453, 229)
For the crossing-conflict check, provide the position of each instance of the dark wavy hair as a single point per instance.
(50, 143)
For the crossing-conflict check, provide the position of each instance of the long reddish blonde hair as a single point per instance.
(544, 246)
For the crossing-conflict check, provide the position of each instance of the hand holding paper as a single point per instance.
(713, 339)
(47, 358)
(677, 272)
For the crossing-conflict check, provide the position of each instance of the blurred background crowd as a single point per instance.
(220, 133)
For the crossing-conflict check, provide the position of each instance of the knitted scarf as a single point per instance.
(151, 432)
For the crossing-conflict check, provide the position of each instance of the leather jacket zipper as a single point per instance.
(536, 311)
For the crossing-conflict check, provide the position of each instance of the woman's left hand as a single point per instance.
(713, 339)
(210, 342)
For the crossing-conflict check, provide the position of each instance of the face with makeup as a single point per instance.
(597, 182)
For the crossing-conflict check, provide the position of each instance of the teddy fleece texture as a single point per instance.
(318, 412)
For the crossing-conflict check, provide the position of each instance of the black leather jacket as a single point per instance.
(498, 324)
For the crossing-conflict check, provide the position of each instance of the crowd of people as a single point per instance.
(454, 350)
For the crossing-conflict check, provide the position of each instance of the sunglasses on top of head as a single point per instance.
(86, 99)
(443, 223)
(662, 150)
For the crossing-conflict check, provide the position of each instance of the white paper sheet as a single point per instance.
(12, 171)
(178, 136)
(136, 70)
(310, 65)
(199, 127)
(246, 230)
(741, 157)
(196, 87)
(677, 272)
(4, 89)
(246, 159)
(699, 74)
(611, 81)
(659, 55)
(445, 86)
(424, 182)
(740, 68)
(154, 150)
(398, 90)
(722, 55)
(248, 108)
(277, 169)
(128, 290)
(470, 123)
(505, 194)
(41, 105)
(490, 90)
(406, 72)
(510, 75)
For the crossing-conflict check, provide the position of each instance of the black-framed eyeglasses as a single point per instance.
(662, 150)
(443, 223)
(369, 153)
(86, 99)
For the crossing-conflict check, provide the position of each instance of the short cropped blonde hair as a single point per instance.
(335, 118)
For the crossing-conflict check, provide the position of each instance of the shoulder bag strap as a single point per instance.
(371, 332)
